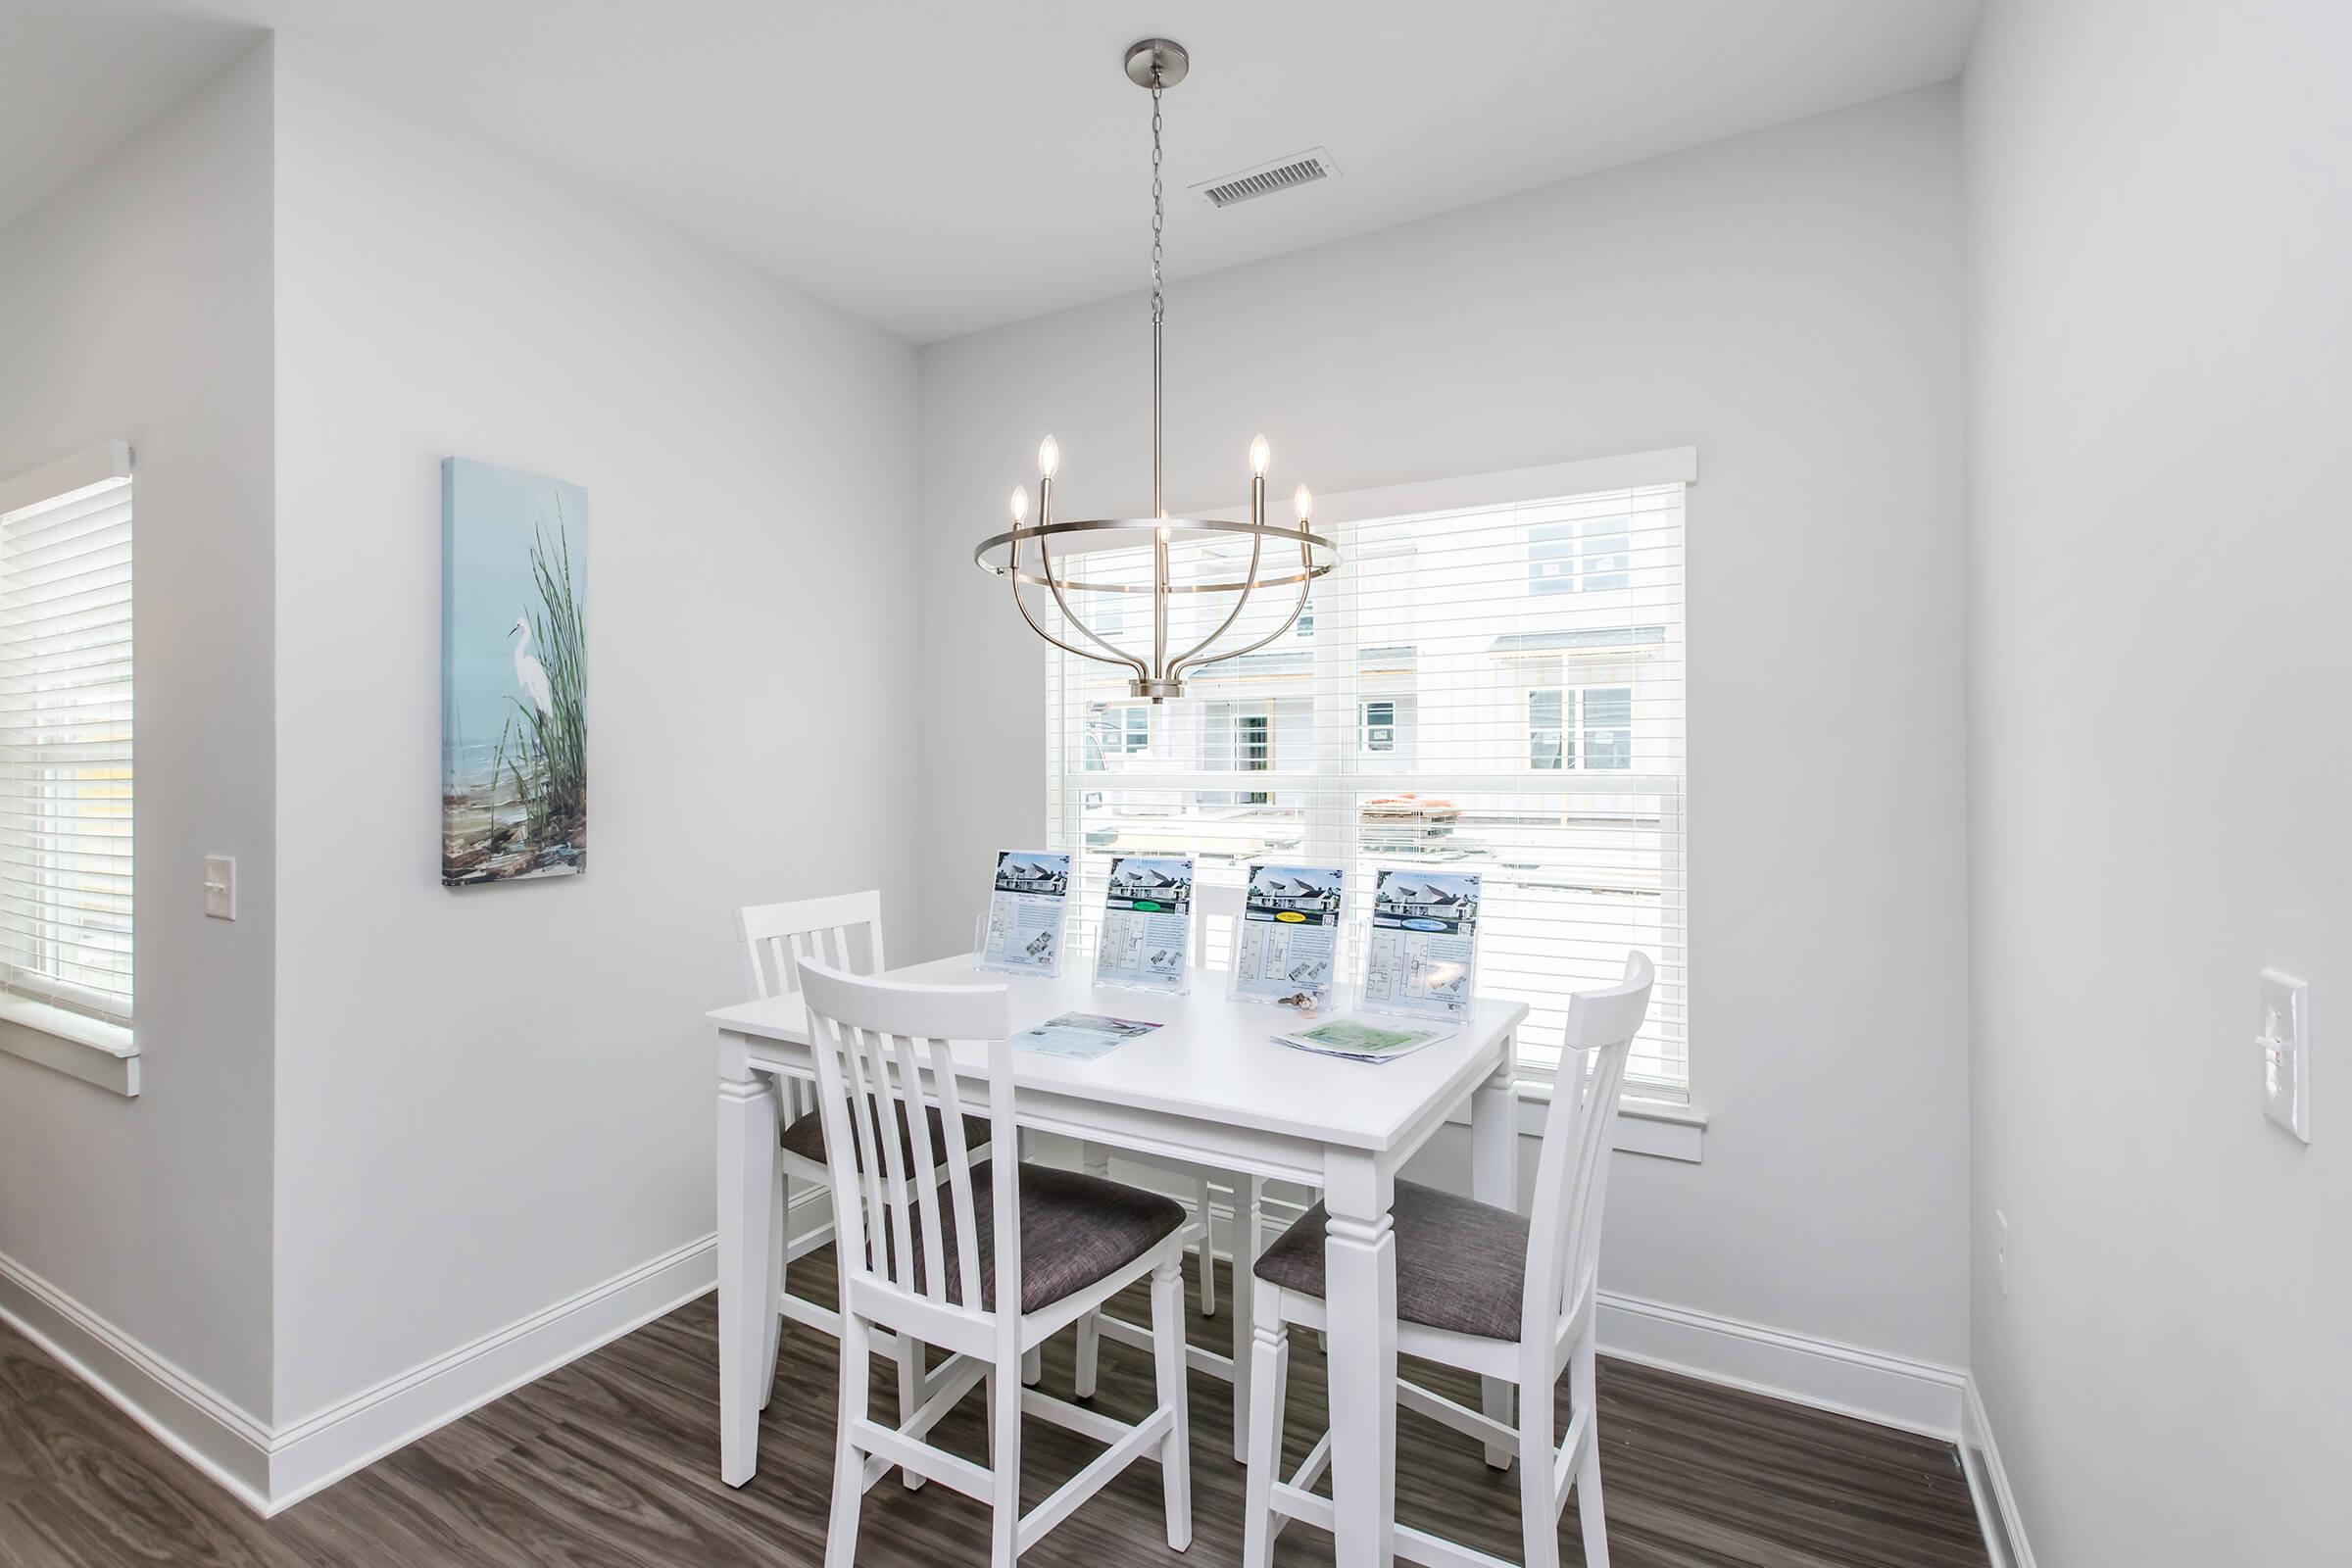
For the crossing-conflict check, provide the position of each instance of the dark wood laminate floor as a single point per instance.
(613, 1461)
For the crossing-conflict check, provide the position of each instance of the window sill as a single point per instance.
(1657, 1128)
(92, 1049)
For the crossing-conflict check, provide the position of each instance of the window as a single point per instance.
(1495, 684)
(1116, 730)
(1580, 558)
(66, 741)
(1589, 728)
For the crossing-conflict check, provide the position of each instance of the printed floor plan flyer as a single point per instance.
(1421, 956)
(1288, 946)
(1147, 922)
(1027, 912)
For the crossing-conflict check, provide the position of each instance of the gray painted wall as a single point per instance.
(137, 303)
(490, 1100)
(2158, 233)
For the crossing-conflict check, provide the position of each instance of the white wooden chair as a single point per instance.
(845, 931)
(936, 1263)
(1481, 1289)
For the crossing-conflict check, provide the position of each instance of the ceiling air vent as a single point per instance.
(1283, 173)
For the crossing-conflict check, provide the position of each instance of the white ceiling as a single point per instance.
(939, 166)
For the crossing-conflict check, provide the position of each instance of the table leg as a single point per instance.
(1360, 1263)
(1494, 1179)
(747, 1197)
(1249, 1208)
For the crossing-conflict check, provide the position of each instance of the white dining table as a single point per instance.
(1210, 1088)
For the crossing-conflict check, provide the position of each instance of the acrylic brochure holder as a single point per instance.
(1286, 948)
(1028, 915)
(1146, 924)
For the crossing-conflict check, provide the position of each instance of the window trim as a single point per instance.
(97, 1051)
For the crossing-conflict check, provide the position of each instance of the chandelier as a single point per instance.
(1052, 555)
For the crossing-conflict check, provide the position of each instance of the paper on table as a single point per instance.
(1147, 922)
(1421, 954)
(1081, 1036)
(1359, 1041)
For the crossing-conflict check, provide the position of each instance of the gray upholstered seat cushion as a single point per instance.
(1075, 1229)
(805, 1137)
(1460, 1264)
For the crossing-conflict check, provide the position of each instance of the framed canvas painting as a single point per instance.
(513, 675)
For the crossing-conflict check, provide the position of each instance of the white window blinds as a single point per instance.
(65, 735)
(1495, 687)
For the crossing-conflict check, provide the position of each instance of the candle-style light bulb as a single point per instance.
(1303, 503)
(1020, 504)
(1049, 457)
(1261, 457)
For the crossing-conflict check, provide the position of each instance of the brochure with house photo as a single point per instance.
(1081, 1036)
(1421, 956)
(1027, 912)
(1287, 947)
(1147, 922)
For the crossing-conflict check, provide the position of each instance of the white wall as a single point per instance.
(489, 1099)
(135, 304)
(1788, 302)
(2162, 370)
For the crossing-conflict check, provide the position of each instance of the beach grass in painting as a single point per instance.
(513, 675)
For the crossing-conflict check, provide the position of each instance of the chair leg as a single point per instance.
(849, 1468)
(1584, 1388)
(1033, 1366)
(779, 1231)
(1167, 1357)
(1090, 1354)
(1004, 1463)
(1539, 1518)
(1208, 1251)
(1268, 1375)
(911, 1394)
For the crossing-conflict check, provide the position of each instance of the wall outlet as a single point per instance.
(2001, 1252)
(2285, 1041)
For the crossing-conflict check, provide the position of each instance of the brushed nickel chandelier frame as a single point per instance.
(1159, 65)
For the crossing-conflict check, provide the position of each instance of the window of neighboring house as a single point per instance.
(1548, 744)
(1580, 558)
(1116, 729)
(1587, 727)
(66, 747)
(1492, 684)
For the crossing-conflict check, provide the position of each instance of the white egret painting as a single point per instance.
(513, 675)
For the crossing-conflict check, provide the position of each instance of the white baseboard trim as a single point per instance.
(270, 1469)
(322, 1448)
(212, 1433)
(1989, 1483)
(1893, 1391)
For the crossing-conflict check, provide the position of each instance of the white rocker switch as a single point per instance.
(2285, 1041)
(220, 886)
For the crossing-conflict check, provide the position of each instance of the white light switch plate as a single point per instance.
(220, 886)
(2284, 1035)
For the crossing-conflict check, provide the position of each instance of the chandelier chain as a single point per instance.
(1159, 206)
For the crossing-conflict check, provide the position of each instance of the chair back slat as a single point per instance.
(1215, 909)
(1563, 1261)
(958, 1156)
(882, 1049)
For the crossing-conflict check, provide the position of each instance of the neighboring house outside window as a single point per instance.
(1579, 727)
